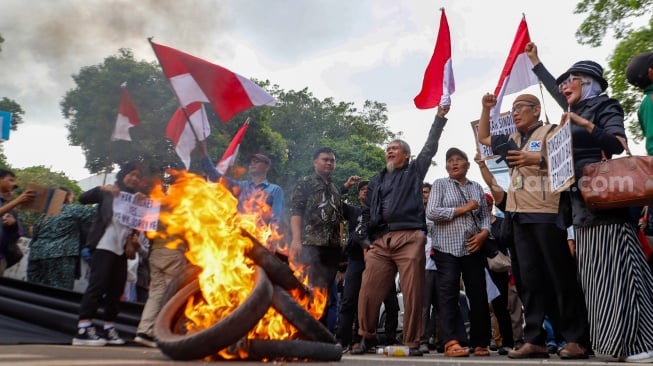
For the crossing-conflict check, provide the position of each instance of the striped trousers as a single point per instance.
(618, 287)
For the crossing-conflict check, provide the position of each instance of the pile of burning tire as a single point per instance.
(273, 281)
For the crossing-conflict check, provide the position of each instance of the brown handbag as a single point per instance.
(616, 183)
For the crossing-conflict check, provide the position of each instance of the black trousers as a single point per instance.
(472, 268)
(105, 284)
(500, 307)
(549, 283)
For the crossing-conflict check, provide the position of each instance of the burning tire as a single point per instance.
(308, 326)
(186, 276)
(304, 350)
(218, 336)
(278, 271)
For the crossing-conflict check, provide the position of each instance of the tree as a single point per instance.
(288, 133)
(604, 15)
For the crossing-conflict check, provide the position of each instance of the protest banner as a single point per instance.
(46, 200)
(485, 151)
(560, 158)
(136, 213)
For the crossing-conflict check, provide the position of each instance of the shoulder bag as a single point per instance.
(616, 183)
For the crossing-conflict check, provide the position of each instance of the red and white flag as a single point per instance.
(438, 84)
(197, 80)
(518, 72)
(181, 132)
(127, 117)
(229, 156)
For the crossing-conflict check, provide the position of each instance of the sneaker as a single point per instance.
(87, 336)
(424, 348)
(644, 357)
(145, 340)
(113, 337)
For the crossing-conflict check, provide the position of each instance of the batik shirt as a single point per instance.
(320, 206)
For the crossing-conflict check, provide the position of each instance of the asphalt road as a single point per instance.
(62, 355)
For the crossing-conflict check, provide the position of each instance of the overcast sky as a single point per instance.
(348, 50)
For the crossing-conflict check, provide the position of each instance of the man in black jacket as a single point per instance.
(393, 230)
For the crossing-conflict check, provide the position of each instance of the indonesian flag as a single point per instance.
(181, 133)
(197, 80)
(517, 73)
(229, 156)
(438, 84)
(127, 117)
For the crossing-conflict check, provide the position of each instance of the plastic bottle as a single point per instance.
(396, 351)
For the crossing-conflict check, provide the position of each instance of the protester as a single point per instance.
(10, 232)
(640, 74)
(458, 208)
(352, 282)
(315, 222)
(514, 304)
(392, 232)
(107, 240)
(493, 245)
(616, 281)
(253, 191)
(546, 267)
(167, 261)
(55, 245)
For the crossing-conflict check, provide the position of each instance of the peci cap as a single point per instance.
(637, 70)
(260, 158)
(455, 151)
(529, 98)
(587, 68)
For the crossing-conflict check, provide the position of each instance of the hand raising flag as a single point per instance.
(438, 84)
(196, 80)
(518, 72)
(127, 117)
(229, 156)
(182, 133)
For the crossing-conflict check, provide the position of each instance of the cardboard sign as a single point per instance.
(560, 158)
(46, 200)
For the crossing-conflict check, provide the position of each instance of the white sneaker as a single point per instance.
(644, 357)
(113, 337)
(87, 336)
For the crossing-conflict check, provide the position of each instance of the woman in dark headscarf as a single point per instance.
(616, 280)
(107, 238)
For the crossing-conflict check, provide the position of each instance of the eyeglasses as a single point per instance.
(518, 107)
(568, 80)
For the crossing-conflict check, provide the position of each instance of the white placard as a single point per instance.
(503, 126)
(484, 150)
(560, 158)
(136, 213)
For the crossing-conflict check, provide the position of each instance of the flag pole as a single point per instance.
(183, 109)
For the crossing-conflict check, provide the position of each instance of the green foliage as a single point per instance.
(45, 177)
(608, 14)
(92, 108)
(629, 96)
(17, 112)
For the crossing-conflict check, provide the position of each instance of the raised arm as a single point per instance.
(488, 102)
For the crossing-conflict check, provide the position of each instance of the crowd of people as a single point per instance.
(578, 284)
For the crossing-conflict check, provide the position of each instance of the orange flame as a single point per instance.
(205, 216)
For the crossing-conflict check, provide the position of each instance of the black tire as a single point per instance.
(186, 276)
(278, 271)
(293, 349)
(218, 336)
(308, 326)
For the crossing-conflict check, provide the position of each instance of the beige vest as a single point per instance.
(535, 194)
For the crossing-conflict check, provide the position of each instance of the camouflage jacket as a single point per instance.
(320, 206)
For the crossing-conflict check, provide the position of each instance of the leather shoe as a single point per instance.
(415, 352)
(366, 345)
(573, 351)
(529, 350)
